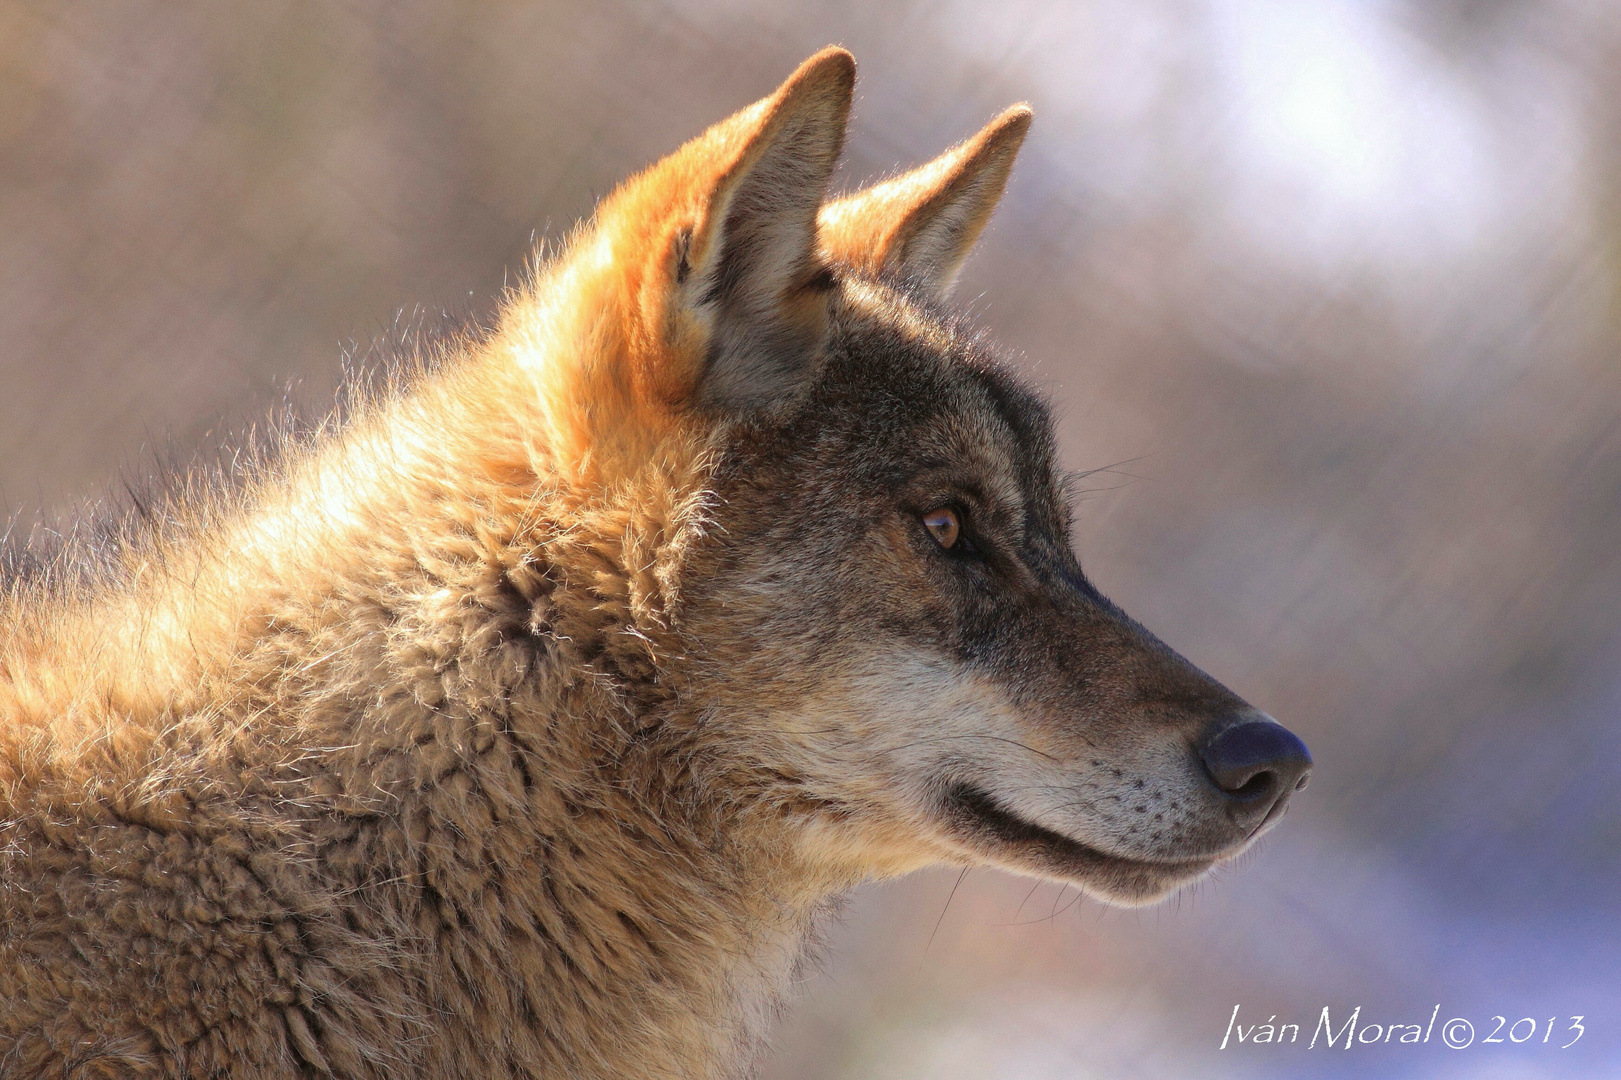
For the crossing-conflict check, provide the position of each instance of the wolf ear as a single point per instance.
(922, 224)
(747, 269)
(698, 283)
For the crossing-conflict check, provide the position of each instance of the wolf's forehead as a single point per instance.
(969, 434)
(945, 398)
(1000, 448)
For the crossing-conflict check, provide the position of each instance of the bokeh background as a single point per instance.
(1329, 291)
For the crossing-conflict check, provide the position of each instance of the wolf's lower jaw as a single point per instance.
(979, 821)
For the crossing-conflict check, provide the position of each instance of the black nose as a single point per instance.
(1257, 764)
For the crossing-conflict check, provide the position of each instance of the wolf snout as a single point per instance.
(1256, 764)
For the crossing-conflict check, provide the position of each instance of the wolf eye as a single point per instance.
(944, 526)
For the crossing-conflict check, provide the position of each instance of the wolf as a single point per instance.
(526, 722)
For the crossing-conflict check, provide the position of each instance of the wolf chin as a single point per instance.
(522, 724)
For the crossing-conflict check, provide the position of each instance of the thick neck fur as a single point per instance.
(394, 767)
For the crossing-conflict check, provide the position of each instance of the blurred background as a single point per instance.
(1329, 291)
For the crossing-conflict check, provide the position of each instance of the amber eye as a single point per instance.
(943, 526)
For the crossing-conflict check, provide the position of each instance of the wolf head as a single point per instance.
(881, 618)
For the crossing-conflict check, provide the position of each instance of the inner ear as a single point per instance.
(683, 256)
(754, 272)
(921, 225)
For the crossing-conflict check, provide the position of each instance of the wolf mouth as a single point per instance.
(978, 816)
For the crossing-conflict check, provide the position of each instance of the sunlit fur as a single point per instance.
(525, 722)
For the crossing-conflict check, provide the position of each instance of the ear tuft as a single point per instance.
(922, 224)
